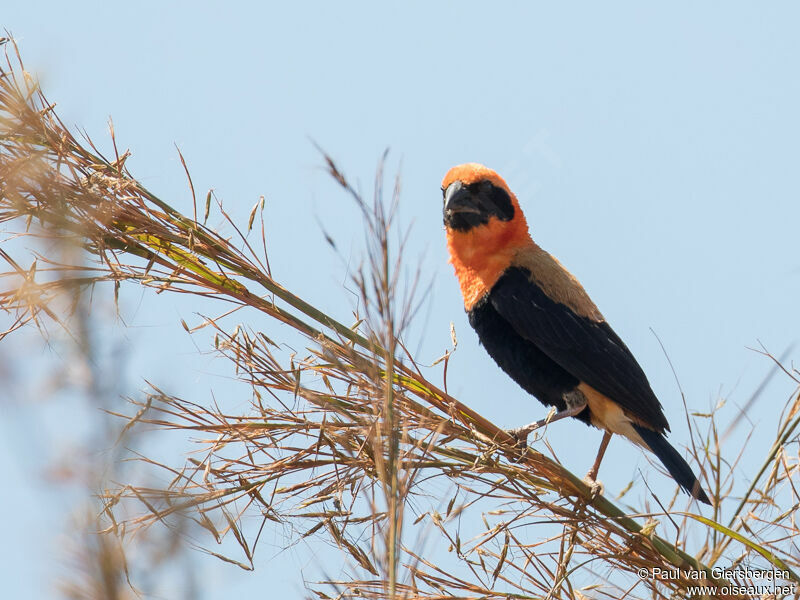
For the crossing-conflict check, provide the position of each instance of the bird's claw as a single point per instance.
(597, 488)
(520, 436)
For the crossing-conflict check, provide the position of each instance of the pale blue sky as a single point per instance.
(655, 152)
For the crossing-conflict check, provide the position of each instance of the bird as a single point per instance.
(540, 326)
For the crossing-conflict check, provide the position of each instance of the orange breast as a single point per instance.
(480, 255)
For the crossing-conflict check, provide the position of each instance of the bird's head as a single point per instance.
(485, 226)
(474, 195)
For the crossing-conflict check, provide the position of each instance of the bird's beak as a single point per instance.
(458, 199)
(451, 194)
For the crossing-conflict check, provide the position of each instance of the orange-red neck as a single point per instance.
(480, 255)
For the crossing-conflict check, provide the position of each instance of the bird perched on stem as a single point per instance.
(538, 323)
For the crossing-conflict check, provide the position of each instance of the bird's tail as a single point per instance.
(673, 461)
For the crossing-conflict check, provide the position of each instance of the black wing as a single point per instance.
(588, 349)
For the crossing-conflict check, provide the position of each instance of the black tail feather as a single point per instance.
(673, 461)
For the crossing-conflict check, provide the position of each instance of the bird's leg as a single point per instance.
(591, 476)
(575, 404)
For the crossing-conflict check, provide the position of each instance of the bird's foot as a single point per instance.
(597, 488)
(520, 434)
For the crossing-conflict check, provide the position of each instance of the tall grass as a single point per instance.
(353, 443)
